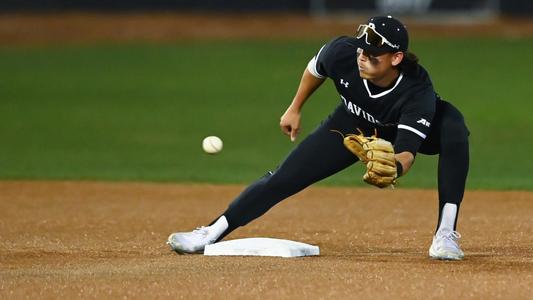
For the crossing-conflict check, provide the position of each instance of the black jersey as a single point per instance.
(406, 108)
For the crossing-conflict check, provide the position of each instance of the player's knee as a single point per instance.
(459, 132)
(276, 179)
(454, 129)
(268, 174)
(282, 181)
(455, 135)
(271, 177)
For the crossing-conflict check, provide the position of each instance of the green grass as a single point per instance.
(139, 112)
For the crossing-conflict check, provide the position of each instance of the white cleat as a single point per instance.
(191, 242)
(445, 246)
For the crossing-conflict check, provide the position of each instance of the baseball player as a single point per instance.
(388, 113)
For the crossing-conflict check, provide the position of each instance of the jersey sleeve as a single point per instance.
(415, 121)
(321, 64)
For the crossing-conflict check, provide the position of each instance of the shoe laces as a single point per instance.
(449, 238)
(449, 235)
(204, 231)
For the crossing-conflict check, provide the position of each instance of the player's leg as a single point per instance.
(318, 156)
(448, 138)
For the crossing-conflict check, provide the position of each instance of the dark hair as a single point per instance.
(409, 62)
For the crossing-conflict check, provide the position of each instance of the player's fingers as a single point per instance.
(294, 134)
(286, 129)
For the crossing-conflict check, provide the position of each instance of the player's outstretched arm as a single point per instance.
(290, 120)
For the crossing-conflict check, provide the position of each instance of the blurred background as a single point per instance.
(411, 7)
(126, 90)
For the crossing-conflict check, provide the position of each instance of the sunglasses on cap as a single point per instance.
(373, 38)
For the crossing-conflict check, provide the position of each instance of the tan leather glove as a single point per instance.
(377, 154)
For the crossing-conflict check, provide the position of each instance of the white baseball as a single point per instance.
(212, 144)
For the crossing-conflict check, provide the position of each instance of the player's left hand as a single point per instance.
(378, 155)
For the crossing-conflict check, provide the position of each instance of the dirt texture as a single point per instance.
(107, 240)
(77, 27)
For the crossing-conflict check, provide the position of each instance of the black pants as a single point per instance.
(322, 154)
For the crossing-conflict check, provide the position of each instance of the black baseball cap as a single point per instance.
(383, 34)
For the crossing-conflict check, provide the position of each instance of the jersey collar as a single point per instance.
(384, 92)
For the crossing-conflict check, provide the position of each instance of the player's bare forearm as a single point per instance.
(407, 159)
(308, 85)
(290, 121)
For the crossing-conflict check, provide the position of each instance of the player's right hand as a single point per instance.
(290, 123)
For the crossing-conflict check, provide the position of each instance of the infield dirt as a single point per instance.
(107, 240)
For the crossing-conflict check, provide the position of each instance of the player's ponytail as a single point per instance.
(409, 62)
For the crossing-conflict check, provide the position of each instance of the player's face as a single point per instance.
(373, 67)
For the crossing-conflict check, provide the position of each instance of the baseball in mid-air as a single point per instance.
(212, 144)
